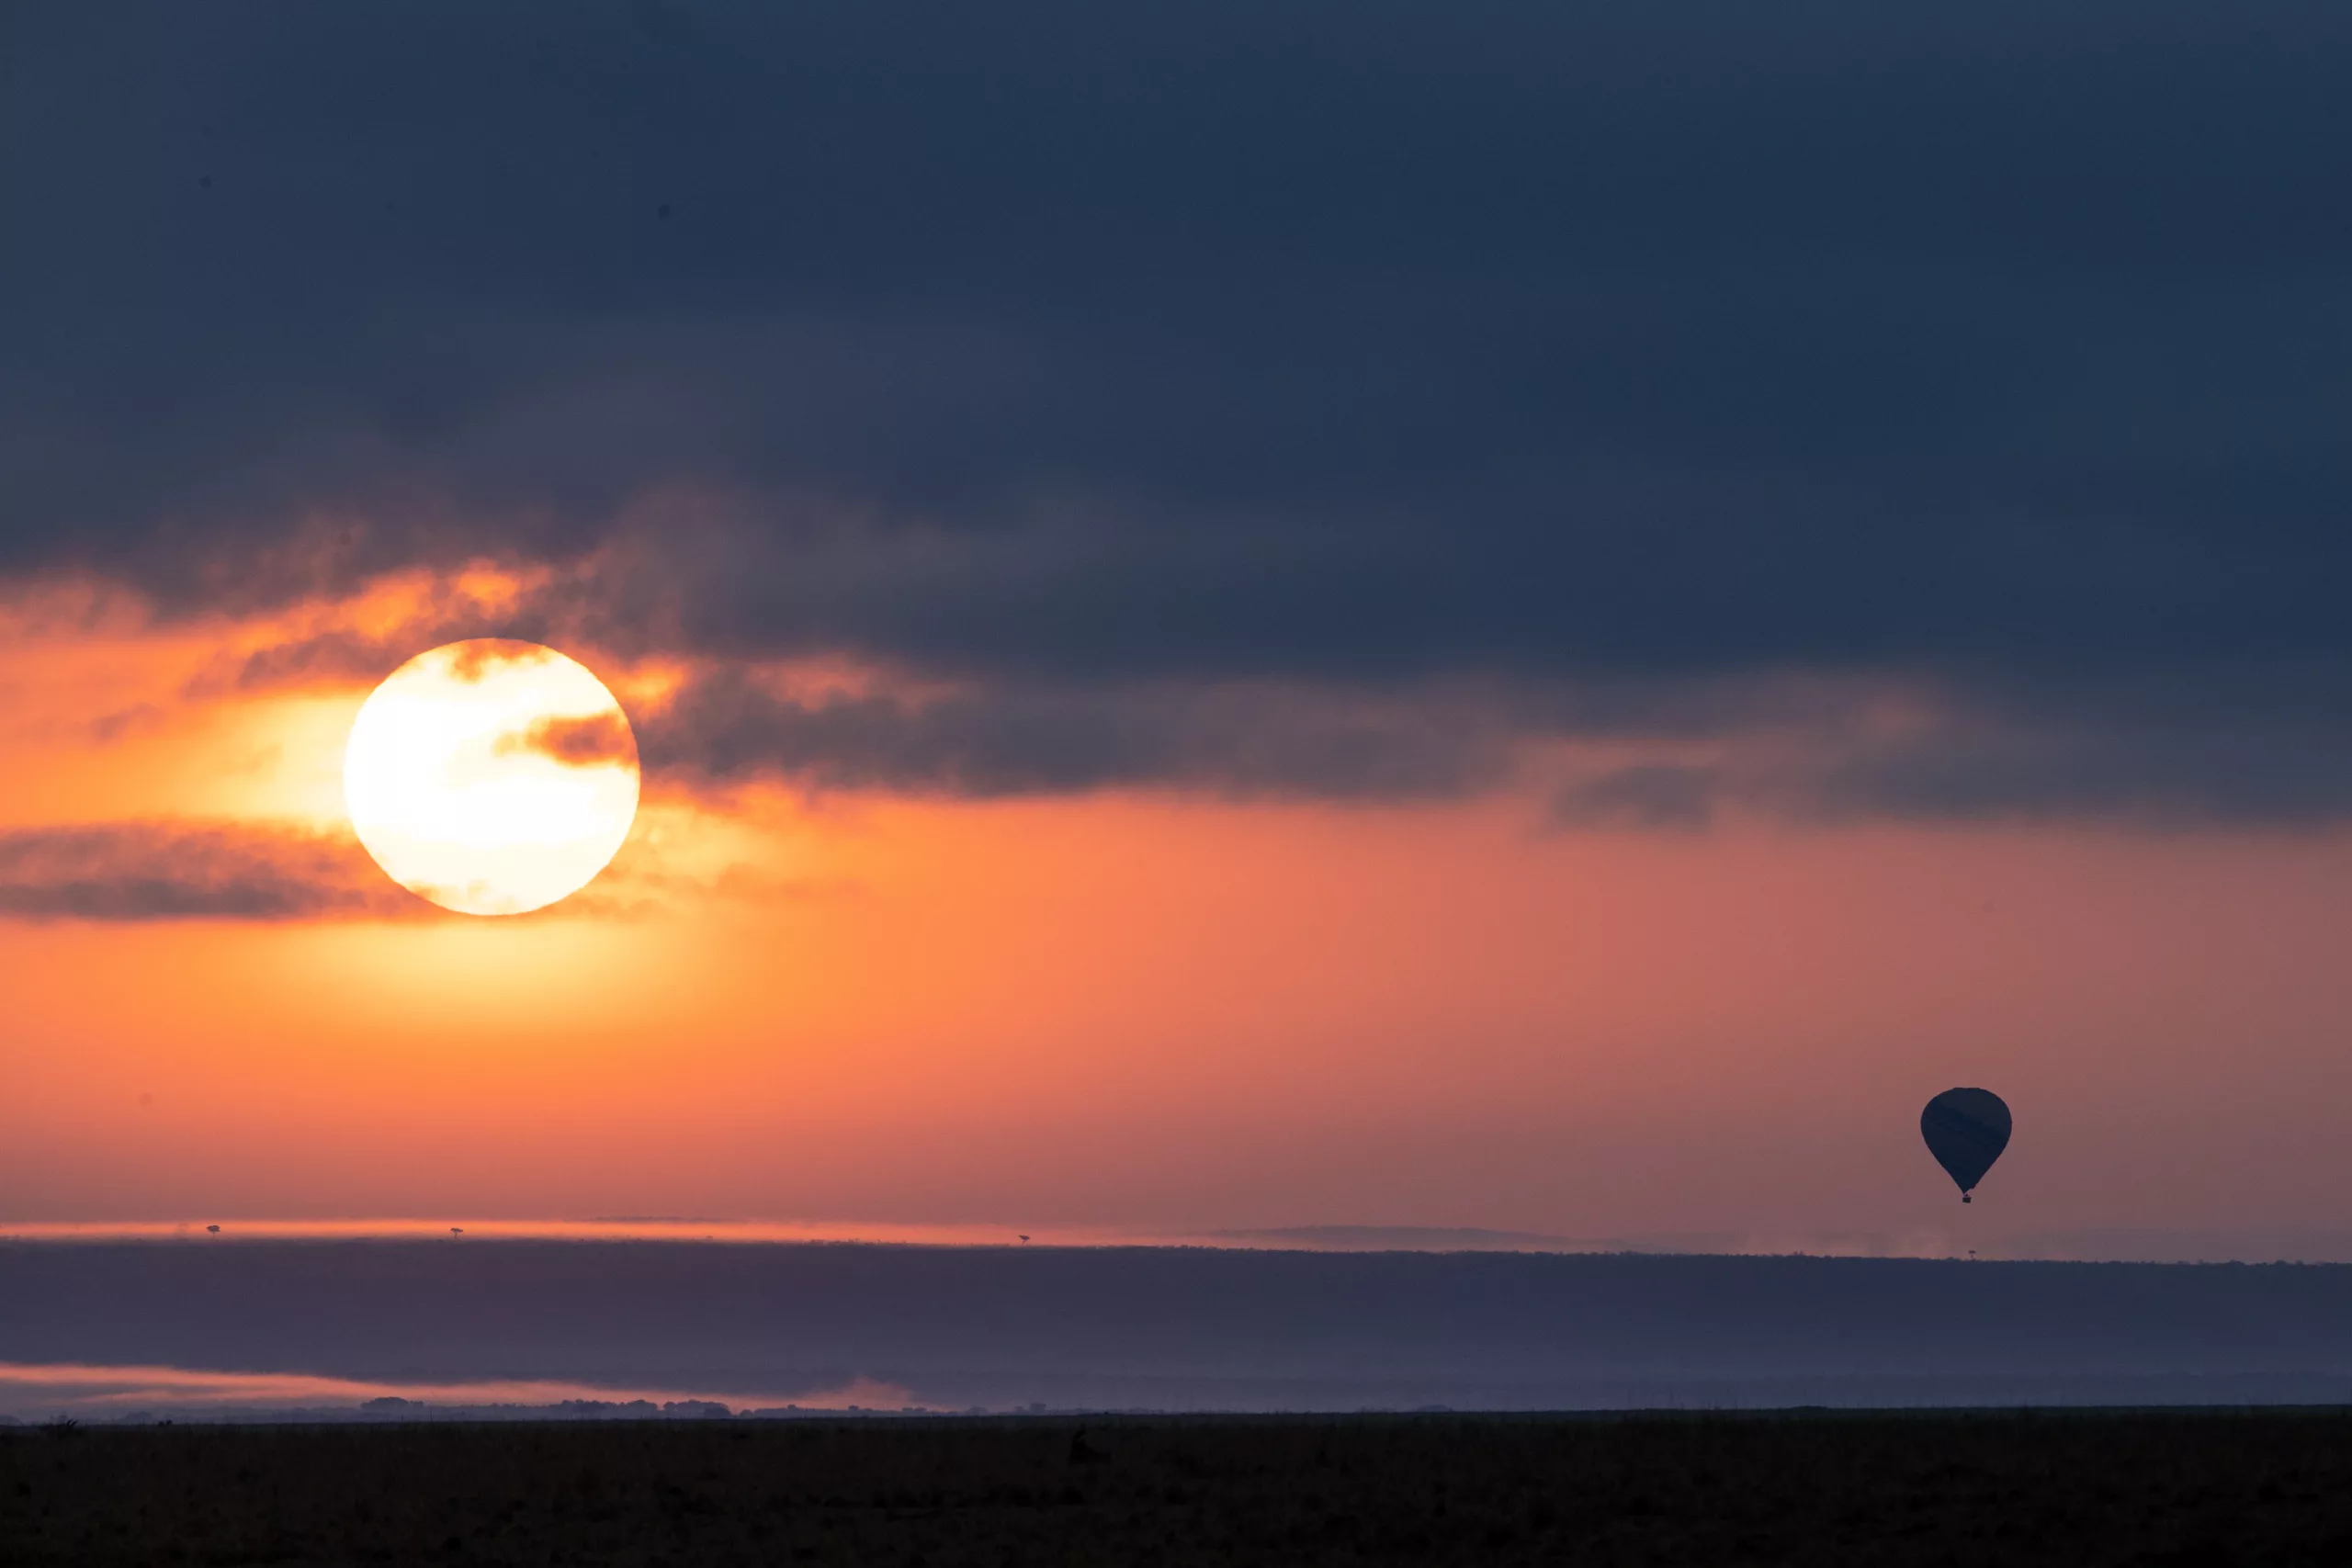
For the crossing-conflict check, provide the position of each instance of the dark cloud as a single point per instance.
(2172, 777)
(1001, 740)
(1135, 360)
(2003, 766)
(1651, 795)
(172, 871)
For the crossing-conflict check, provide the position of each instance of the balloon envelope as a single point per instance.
(1966, 1130)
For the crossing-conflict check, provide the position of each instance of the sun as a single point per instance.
(491, 776)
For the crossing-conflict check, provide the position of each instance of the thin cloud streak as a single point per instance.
(77, 1385)
(167, 870)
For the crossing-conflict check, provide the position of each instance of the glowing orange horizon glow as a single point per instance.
(1144, 1015)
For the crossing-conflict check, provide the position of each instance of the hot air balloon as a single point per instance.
(1966, 1130)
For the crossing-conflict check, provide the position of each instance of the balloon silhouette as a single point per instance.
(1966, 1130)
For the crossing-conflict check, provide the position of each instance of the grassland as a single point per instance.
(2081, 1488)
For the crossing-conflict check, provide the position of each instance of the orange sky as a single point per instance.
(1154, 1012)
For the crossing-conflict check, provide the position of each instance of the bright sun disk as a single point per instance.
(491, 776)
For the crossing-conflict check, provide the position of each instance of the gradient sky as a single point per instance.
(1238, 614)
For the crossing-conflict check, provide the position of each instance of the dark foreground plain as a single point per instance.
(2071, 1488)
